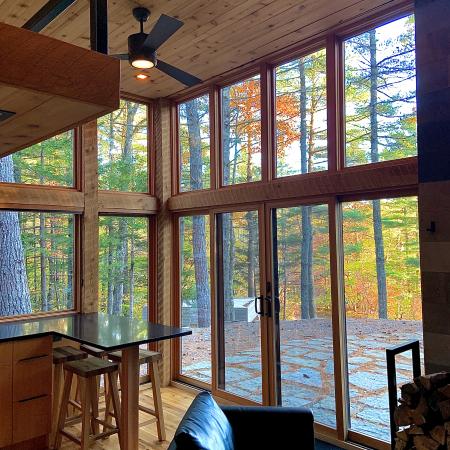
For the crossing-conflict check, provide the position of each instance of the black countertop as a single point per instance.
(105, 331)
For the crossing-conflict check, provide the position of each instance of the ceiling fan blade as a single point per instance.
(165, 27)
(122, 56)
(178, 74)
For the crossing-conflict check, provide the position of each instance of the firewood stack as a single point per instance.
(423, 413)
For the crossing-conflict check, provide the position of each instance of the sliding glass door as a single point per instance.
(302, 309)
(240, 304)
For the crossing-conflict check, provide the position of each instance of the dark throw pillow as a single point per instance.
(204, 426)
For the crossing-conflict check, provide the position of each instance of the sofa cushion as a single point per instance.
(204, 426)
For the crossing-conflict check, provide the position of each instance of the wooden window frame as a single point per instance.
(385, 179)
(76, 200)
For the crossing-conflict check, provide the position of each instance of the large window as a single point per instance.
(382, 300)
(316, 268)
(123, 266)
(123, 149)
(380, 94)
(195, 293)
(194, 144)
(241, 132)
(48, 163)
(36, 262)
(301, 115)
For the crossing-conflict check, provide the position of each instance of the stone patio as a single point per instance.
(307, 366)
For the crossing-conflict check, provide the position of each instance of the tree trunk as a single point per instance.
(227, 229)
(251, 254)
(14, 292)
(377, 223)
(131, 277)
(110, 301)
(198, 222)
(306, 279)
(69, 297)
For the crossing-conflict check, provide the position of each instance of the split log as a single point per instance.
(425, 443)
(439, 434)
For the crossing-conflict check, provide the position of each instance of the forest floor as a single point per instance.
(307, 365)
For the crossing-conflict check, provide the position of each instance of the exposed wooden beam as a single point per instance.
(111, 202)
(392, 175)
(23, 197)
(49, 12)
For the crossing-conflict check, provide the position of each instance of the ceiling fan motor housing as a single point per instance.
(137, 50)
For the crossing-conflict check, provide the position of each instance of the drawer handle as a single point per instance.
(32, 398)
(33, 357)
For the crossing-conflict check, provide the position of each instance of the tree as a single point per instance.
(379, 95)
(198, 228)
(14, 292)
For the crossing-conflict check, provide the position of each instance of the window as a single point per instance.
(240, 370)
(36, 262)
(301, 115)
(383, 302)
(122, 149)
(194, 144)
(48, 163)
(241, 132)
(380, 94)
(303, 286)
(195, 296)
(123, 266)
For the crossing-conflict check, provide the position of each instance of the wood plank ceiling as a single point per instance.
(218, 35)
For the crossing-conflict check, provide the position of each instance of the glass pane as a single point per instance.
(380, 94)
(241, 132)
(194, 140)
(301, 115)
(195, 297)
(383, 302)
(240, 369)
(123, 266)
(36, 262)
(303, 286)
(48, 163)
(122, 149)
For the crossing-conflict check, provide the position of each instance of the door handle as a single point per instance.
(258, 300)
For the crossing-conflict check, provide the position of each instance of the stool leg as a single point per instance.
(63, 409)
(114, 394)
(58, 381)
(86, 402)
(108, 404)
(93, 386)
(156, 388)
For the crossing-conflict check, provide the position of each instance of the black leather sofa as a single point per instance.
(252, 427)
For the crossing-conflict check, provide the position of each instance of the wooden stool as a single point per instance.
(98, 353)
(61, 355)
(150, 358)
(87, 371)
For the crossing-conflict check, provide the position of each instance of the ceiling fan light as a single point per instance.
(141, 63)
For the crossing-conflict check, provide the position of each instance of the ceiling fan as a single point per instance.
(142, 47)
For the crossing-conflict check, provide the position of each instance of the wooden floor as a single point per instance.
(175, 403)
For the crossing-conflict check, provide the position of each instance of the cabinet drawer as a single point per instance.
(5, 394)
(32, 348)
(32, 377)
(31, 418)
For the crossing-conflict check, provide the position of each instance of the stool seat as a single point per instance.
(91, 367)
(145, 356)
(66, 354)
(94, 351)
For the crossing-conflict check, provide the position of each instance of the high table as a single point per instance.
(109, 333)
